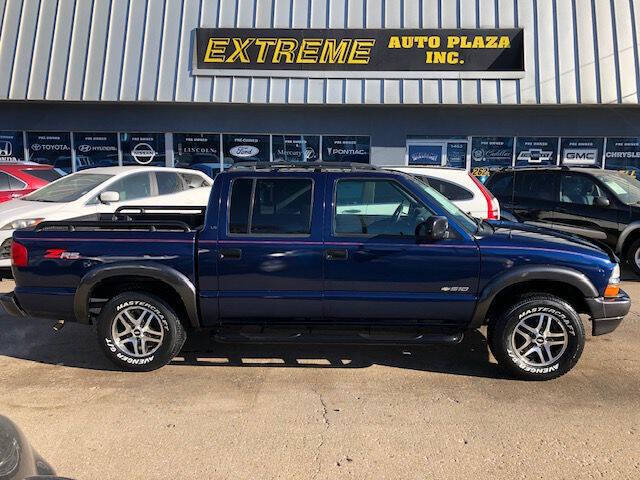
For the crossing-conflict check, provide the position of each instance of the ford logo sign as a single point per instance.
(244, 151)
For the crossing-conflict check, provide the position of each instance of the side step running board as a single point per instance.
(354, 339)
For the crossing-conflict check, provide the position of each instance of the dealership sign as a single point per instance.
(11, 147)
(142, 148)
(622, 153)
(52, 148)
(536, 151)
(295, 148)
(95, 149)
(585, 152)
(360, 53)
(491, 152)
(339, 148)
(193, 148)
(245, 148)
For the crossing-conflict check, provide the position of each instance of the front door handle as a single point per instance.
(230, 254)
(336, 254)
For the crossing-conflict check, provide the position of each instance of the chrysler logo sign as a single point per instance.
(244, 151)
(143, 153)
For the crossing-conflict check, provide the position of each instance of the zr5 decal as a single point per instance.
(61, 253)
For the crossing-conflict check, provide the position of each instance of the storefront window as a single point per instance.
(581, 152)
(490, 153)
(143, 149)
(11, 147)
(623, 153)
(456, 155)
(426, 153)
(534, 151)
(95, 150)
(295, 148)
(340, 148)
(197, 150)
(245, 148)
(51, 148)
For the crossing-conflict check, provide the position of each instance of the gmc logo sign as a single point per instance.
(580, 155)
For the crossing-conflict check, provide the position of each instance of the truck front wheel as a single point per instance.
(540, 337)
(139, 332)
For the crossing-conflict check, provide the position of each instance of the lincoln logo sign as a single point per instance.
(370, 53)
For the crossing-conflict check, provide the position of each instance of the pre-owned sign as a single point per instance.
(370, 53)
(581, 152)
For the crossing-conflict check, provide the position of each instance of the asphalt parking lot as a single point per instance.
(321, 412)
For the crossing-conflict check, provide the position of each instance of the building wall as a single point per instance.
(577, 51)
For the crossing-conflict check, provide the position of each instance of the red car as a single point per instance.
(18, 179)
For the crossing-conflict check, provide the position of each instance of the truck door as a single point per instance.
(376, 272)
(270, 248)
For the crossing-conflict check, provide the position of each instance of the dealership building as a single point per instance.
(474, 84)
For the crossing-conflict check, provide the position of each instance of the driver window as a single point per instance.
(579, 189)
(376, 207)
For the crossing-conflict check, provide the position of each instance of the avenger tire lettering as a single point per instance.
(115, 336)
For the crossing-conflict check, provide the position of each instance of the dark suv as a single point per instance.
(601, 205)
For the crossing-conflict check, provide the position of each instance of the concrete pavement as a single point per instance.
(254, 412)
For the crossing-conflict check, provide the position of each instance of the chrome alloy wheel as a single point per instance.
(636, 257)
(137, 331)
(539, 339)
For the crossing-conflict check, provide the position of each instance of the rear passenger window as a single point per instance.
(4, 182)
(537, 185)
(450, 190)
(168, 183)
(501, 185)
(280, 206)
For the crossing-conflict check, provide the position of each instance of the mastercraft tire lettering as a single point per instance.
(540, 337)
(139, 332)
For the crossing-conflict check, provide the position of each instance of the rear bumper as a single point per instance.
(10, 304)
(607, 313)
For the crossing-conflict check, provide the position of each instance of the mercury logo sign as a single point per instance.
(310, 154)
(5, 149)
(244, 151)
(535, 155)
(143, 153)
(580, 156)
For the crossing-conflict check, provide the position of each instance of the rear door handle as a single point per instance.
(230, 254)
(336, 254)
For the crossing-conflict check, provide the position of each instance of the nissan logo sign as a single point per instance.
(244, 151)
(143, 153)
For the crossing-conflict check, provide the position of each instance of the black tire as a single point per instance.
(631, 256)
(565, 321)
(160, 352)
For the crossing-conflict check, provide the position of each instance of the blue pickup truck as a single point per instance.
(336, 253)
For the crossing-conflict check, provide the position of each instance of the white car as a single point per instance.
(101, 190)
(460, 187)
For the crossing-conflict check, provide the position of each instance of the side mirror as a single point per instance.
(601, 202)
(432, 229)
(109, 197)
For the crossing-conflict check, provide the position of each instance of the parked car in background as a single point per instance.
(20, 178)
(100, 190)
(210, 169)
(600, 205)
(459, 186)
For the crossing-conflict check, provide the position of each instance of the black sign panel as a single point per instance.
(581, 152)
(622, 153)
(536, 151)
(95, 149)
(143, 149)
(194, 148)
(52, 148)
(457, 154)
(340, 148)
(360, 50)
(295, 148)
(11, 147)
(245, 148)
(491, 152)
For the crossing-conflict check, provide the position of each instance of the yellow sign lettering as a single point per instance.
(335, 52)
(240, 52)
(216, 49)
(285, 47)
(361, 51)
(263, 45)
(309, 50)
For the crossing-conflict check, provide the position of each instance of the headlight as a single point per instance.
(613, 287)
(22, 223)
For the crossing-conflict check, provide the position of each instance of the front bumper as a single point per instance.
(607, 313)
(10, 304)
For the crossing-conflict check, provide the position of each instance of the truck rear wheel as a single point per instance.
(139, 332)
(540, 337)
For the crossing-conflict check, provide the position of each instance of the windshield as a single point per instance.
(464, 220)
(68, 189)
(624, 187)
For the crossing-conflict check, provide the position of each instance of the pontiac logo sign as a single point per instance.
(143, 153)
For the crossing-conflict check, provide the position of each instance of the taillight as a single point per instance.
(19, 255)
(493, 211)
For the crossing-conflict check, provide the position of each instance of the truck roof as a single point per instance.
(303, 166)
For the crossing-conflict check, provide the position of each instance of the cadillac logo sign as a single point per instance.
(360, 53)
